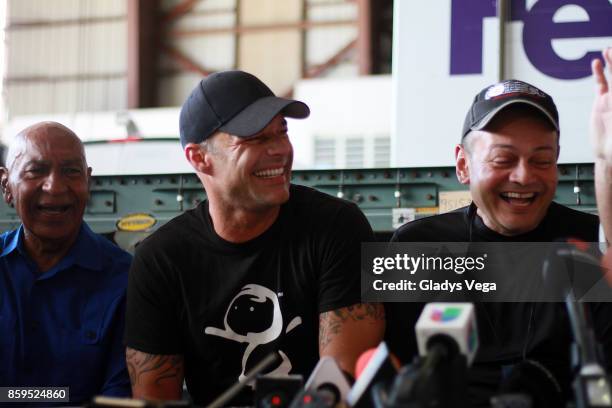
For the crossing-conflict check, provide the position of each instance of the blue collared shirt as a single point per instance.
(64, 327)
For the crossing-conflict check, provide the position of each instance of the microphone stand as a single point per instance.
(592, 385)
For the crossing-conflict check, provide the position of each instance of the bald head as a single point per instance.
(47, 182)
(41, 133)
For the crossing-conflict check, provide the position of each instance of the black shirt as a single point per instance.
(508, 332)
(225, 306)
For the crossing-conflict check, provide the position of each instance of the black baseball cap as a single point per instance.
(497, 97)
(235, 102)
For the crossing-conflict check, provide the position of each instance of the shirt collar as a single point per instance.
(84, 252)
(12, 241)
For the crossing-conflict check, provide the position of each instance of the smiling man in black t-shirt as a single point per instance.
(508, 158)
(261, 266)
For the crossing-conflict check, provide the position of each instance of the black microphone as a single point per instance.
(592, 386)
(276, 391)
(572, 267)
(320, 398)
(328, 381)
(448, 340)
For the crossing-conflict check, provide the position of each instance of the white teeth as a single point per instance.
(518, 195)
(270, 172)
(54, 209)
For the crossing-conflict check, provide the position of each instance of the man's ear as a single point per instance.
(89, 180)
(198, 158)
(4, 185)
(462, 167)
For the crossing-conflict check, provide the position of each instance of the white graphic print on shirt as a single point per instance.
(257, 310)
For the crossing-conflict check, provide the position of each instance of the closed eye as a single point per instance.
(72, 170)
(35, 171)
(544, 163)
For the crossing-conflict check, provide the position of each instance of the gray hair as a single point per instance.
(19, 143)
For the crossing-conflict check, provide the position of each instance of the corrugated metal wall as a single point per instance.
(279, 41)
(323, 42)
(71, 55)
(205, 35)
(65, 56)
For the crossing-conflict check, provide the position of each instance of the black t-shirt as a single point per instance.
(508, 332)
(225, 306)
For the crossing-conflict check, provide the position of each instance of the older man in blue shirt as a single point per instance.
(62, 287)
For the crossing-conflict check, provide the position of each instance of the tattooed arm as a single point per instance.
(347, 332)
(155, 376)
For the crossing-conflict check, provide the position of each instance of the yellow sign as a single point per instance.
(136, 222)
(427, 210)
(451, 200)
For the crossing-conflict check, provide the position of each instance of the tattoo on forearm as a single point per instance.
(162, 367)
(330, 323)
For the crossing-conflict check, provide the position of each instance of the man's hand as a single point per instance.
(346, 333)
(601, 117)
(155, 376)
(601, 135)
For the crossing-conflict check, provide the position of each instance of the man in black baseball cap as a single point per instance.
(492, 100)
(262, 266)
(508, 158)
(233, 102)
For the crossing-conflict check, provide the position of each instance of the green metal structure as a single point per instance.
(376, 191)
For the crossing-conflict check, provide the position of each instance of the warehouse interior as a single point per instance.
(120, 69)
(84, 60)
(416, 214)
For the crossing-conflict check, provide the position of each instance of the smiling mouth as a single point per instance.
(53, 209)
(269, 173)
(523, 199)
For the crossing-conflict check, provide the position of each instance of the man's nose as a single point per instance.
(54, 183)
(280, 146)
(522, 173)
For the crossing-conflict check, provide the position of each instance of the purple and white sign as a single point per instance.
(445, 51)
(539, 31)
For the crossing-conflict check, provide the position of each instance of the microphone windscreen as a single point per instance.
(365, 358)
(363, 361)
(456, 321)
(378, 368)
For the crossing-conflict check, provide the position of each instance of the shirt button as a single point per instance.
(34, 326)
(90, 335)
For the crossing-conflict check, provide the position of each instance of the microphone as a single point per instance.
(447, 340)
(313, 399)
(327, 378)
(572, 267)
(572, 257)
(447, 329)
(363, 361)
(379, 368)
(592, 386)
(233, 391)
(326, 387)
(276, 391)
